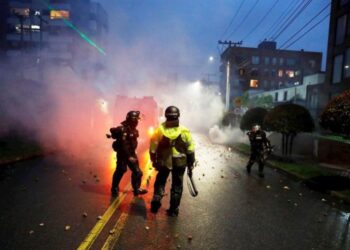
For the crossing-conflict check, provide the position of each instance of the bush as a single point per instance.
(336, 115)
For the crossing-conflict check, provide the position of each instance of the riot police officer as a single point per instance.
(171, 150)
(258, 145)
(125, 145)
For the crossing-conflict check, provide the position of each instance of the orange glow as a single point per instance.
(112, 160)
(150, 131)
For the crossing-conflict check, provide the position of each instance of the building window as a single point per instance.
(280, 73)
(337, 68)
(281, 61)
(290, 73)
(241, 72)
(267, 60)
(272, 84)
(273, 72)
(20, 11)
(59, 14)
(291, 61)
(253, 83)
(254, 72)
(255, 60)
(266, 84)
(340, 30)
(276, 97)
(285, 95)
(266, 72)
(347, 63)
(274, 60)
(297, 73)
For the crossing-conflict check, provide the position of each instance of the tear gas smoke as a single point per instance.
(227, 135)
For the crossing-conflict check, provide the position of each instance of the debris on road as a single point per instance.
(85, 214)
(268, 187)
(189, 237)
(286, 188)
(66, 228)
(147, 228)
(99, 217)
(41, 224)
(300, 194)
(31, 232)
(112, 231)
(323, 200)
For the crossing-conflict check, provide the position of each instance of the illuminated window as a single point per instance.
(253, 83)
(280, 73)
(20, 12)
(290, 73)
(59, 14)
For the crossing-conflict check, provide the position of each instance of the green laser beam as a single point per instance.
(81, 34)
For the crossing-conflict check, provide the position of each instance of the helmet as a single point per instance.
(172, 113)
(133, 116)
(256, 127)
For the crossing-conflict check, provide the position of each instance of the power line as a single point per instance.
(240, 24)
(282, 22)
(315, 25)
(277, 21)
(233, 18)
(305, 25)
(293, 18)
(261, 20)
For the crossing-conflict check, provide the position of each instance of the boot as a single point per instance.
(155, 205)
(172, 212)
(115, 191)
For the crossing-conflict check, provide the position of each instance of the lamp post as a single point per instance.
(228, 87)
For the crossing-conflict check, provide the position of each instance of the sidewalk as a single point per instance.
(304, 171)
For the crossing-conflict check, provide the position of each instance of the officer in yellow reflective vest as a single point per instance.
(171, 150)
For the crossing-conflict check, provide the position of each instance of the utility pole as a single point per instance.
(228, 84)
(228, 87)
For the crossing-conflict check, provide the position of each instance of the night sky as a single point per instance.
(181, 35)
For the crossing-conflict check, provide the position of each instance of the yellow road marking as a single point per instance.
(118, 228)
(96, 230)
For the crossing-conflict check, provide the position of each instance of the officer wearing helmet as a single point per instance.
(125, 145)
(171, 150)
(258, 144)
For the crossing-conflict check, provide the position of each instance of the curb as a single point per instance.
(336, 194)
(24, 158)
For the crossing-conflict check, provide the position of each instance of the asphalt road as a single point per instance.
(44, 202)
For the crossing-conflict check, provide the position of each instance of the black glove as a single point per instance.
(190, 160)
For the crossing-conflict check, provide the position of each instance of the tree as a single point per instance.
(251, 117)
(289, 120)
(336, 115)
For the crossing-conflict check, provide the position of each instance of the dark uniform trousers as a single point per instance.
(177, 174)
(122, 163)
(256, 156)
